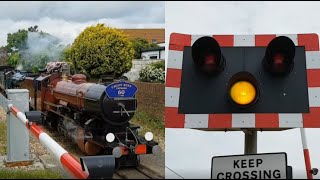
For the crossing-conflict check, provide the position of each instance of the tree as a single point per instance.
(31, 49)
(66, 56)
(33, 29)
(14, 59)
(17, 40)
(101, 50)
(139, 44)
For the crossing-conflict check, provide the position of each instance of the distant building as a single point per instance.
(153, 53)
(151, 35)
(162, 44)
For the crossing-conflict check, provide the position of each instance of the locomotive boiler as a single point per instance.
(95, 116)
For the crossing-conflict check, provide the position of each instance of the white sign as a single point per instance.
(258, 166)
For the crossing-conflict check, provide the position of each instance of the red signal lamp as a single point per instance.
(279, 56)
(207, 56)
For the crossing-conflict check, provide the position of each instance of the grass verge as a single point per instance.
(149, 122)
(3, 137)
(30, 174)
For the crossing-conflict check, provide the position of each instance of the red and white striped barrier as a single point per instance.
(306, 153)
(68, 162)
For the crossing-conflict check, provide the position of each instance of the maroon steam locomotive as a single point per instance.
(84, 113)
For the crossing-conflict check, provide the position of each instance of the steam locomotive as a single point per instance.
(95, 116)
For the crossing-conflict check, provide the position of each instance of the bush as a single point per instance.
(140, 44)
(101, 50)
(158, 65)
(151, 73)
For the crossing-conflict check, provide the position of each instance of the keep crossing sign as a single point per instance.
(258, 166)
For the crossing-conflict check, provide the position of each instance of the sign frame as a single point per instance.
(241, 155)
(238, 121)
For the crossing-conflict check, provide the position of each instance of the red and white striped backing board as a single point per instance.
(241, 120)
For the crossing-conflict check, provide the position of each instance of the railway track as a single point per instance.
(140, 172)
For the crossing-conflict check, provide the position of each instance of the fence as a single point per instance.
(150, 97)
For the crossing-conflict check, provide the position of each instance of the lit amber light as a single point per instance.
(243, 92)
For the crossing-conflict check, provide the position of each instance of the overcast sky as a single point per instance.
(189, 152)
(67, 19)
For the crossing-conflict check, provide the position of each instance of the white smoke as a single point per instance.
(40, 49)
(19, 67)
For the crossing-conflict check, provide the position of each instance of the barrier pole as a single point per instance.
(68, 162)
(306, 153)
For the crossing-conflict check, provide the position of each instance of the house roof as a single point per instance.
(153, 49)
(149, 34)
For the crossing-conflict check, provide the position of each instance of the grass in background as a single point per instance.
(149, 122)
(3, 137)
(30, 174)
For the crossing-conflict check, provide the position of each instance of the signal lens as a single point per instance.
(207, 56)
(243, 92)
(279, 57)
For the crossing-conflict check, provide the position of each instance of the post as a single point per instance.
(18, 149)
(306, 153)
(250, 142)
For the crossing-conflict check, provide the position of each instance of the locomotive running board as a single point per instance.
(98, 167)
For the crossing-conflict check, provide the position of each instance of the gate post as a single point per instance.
(18, 148)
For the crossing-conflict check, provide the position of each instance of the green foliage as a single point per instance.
(101, 50)
(150, 123)
(3, 133)
(66, 56)
(139, 44)
(17, 40)
(14, 59)
(33, 29)
(151, 73)
(158, 65)
(32, 49)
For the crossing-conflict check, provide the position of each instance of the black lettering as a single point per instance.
(266, 173)
(228, 175)
(254, 174)
(276, 174)
(245, 175)
(251, 163)
(219, 175)
(243, 163)
(235, 163)
(259, 161)
(259, 177)
(239, 175)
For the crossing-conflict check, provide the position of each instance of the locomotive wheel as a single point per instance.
(52, 121)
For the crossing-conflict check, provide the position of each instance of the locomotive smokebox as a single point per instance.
(118, 111)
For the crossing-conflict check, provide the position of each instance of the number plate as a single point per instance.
(121, 89)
